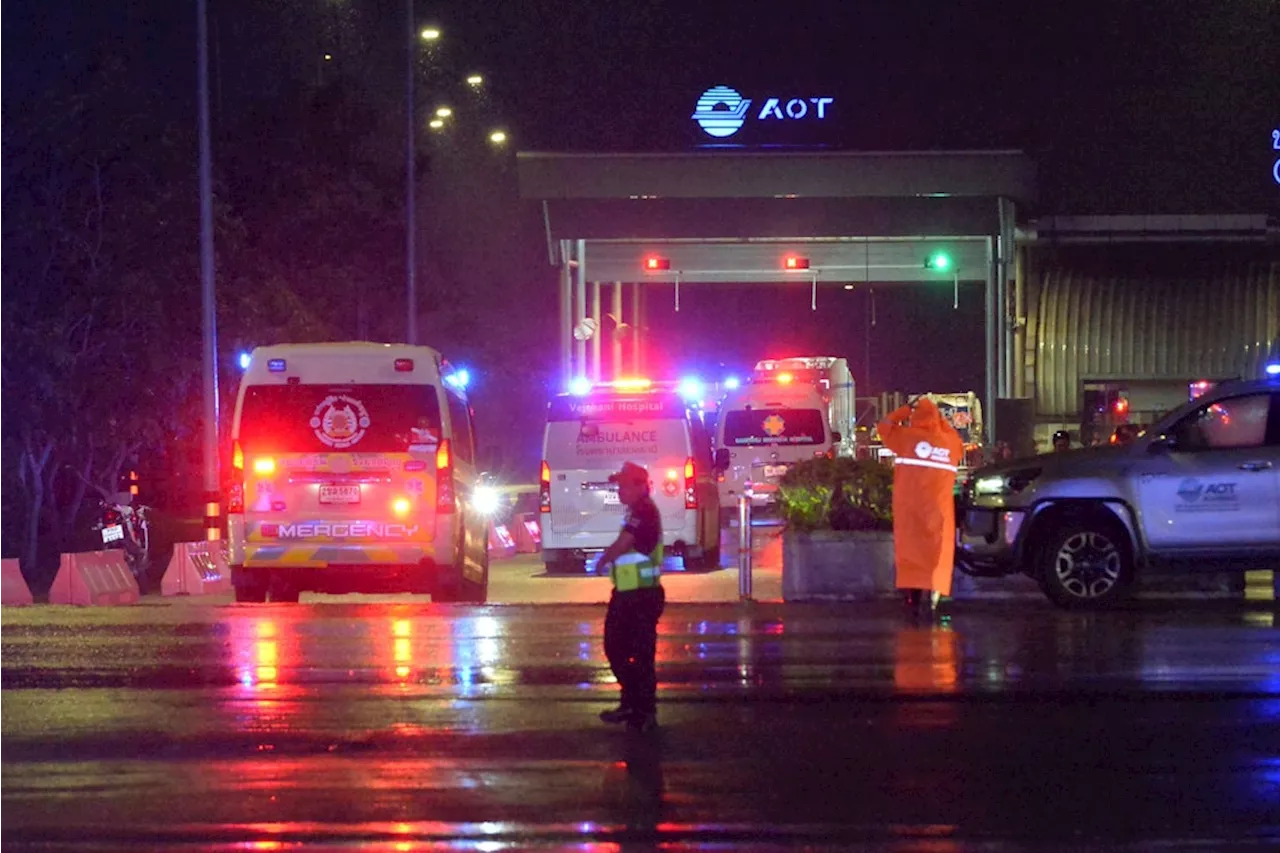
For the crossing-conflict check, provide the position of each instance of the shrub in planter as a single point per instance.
(837, 494)
(838, 540)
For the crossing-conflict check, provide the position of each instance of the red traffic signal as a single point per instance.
(794, 262)
(656, 264)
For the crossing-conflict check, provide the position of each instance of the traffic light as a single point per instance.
(939, 261)
(656, 264)
(794, 262)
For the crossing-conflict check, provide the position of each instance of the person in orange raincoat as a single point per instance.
(927, 453)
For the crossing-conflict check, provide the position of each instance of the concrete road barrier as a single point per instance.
(501, 543)
(94, 578)
(15, 590)
(528, 533)
(196, 568)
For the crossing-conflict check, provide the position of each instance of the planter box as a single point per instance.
(837, 565)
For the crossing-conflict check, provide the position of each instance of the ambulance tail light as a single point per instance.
(445, 499)
(544, 488)
(235, 492)
(690, 485)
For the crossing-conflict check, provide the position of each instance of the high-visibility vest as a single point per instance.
(634, 570)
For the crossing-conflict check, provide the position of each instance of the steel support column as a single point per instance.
(1008, 216)
(580, 307)
(636, 345)
(598, 333)
(566, 315)
(617, 336)
(991, 327)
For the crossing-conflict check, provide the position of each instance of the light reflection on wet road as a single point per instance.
(419, 727)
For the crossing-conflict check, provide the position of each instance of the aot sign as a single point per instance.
(721, 111)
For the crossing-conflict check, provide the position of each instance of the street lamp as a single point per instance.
(435, 124)
(443, 112)
(475, 80)
(498, 137)
(431, 34)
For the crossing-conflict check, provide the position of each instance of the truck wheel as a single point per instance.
(1086, 565)
(250, 585)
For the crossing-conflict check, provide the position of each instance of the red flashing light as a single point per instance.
(404, 365)
(235, 494)
(690, 485)
(794, 262)
(1122, 405)
(656, 264)
(544, 488)
(445, 500)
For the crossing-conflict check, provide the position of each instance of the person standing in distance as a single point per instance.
(927, 452)
(634, 562)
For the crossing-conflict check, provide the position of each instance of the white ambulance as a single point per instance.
(763, 428)
(589, 435)
(353, 469)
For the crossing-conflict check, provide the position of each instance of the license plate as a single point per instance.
(339, 494)
(611, 499)
(114, 533)
(775, 470)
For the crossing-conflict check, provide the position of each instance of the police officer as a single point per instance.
(1061, 441)
(634, 562)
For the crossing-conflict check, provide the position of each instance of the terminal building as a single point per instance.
(1090, 321)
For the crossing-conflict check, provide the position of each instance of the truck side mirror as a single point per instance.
(722, 459)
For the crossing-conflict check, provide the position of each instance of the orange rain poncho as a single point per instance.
(924, 475)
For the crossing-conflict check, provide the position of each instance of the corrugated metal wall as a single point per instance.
(1124, 323)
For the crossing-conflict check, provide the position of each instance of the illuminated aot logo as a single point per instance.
(722, 111)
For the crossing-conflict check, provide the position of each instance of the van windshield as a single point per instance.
(773, 427)
(336, 418)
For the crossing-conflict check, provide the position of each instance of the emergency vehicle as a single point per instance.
(353, 470)
(589, 434)
(763, 428)
(830, 375)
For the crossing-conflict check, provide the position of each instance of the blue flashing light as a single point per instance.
(733, 383)
(245, 360)
(691, 388)
(580, 386)
(276, 365)
(1273, 369)
(459, 379)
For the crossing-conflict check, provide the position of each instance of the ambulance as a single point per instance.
(353, 470)
(763, 428)
(589, 434)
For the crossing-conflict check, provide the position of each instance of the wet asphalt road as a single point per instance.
(183, 725)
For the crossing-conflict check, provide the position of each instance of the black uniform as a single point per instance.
(631, 624)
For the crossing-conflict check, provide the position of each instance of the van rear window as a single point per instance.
(773, 427)
(354, 418)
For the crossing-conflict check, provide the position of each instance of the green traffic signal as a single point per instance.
(938, 261)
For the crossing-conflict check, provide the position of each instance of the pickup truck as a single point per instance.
(1198, 491)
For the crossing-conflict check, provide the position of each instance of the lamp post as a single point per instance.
(213, 509)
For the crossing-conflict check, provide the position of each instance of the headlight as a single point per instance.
(1005, 484)
(487, 500)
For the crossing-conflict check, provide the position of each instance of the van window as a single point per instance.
(774, 427)
(460, 422)
(337, 418)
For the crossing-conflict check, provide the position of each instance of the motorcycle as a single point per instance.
(126, 528)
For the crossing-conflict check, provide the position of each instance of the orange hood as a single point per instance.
(925, 415)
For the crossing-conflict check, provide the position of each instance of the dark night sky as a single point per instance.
(1128, 107)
